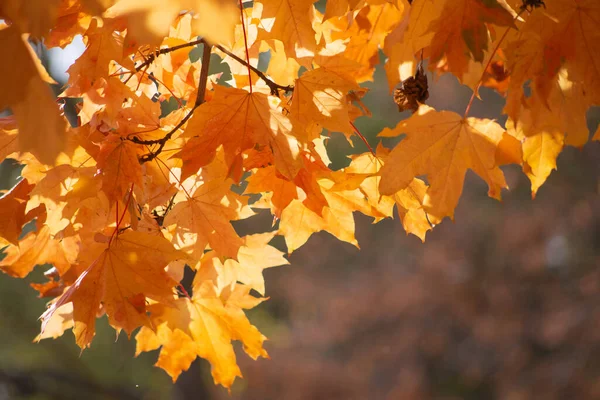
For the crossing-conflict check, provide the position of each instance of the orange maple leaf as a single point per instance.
(41, 128)
(12, 211)
(239, 120)
(461, 30)
(119, 277)
(118, 166)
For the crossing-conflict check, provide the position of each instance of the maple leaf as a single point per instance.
(61, 320)
(73, 18)
(37, 248)
(41, 128)
(109, 103)
(281, 68)
(305, 186)
(119, 276)
(367, 35)
(118, 166)
(204, 219)
(410, 36)
(149, 20)
(291, 24)
(320, 96)
(35, 16)
(239, 120)
(461, 30)
(546, 126)
(58, 186)
(104, 46)
(268, 180)
(253, 257)
(12, 211)
(443, 145)
(565, 34)
(363, 173)
(203, 326)
(298, 221)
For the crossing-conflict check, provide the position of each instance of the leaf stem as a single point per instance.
(480, 82)
(119, 220)
(166, 50)
(246, 46)
(360, 135)
(275, 87)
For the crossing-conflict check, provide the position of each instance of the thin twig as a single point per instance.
(152, 56)
(488, 65)
(246, 45)
(275, 87)
(199, 100)
(361, 136)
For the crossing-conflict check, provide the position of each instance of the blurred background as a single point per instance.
(503, 303)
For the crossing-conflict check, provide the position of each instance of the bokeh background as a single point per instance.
(503, 303)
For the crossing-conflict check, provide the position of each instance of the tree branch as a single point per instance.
(199, 100)
(275, 87)
(166, 50)
(203, 74)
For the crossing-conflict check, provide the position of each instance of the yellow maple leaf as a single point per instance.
(410, 36)
(104, 47)
(204, 219)
(73, 18)
(546, 125)
(443, 145)
(299, 220)
(298, 223)
(281, 69)
(267, 179)
(149, 20)
(367, 35)
(363, 173)
(290, 22)
(203, 326)
(320, 96)
(254, 256)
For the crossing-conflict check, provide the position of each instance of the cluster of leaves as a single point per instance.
(122, 202)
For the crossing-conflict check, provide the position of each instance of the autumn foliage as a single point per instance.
(123, 202)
